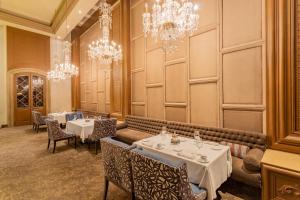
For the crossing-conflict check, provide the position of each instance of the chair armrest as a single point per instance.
(253, 159)
(122, 125)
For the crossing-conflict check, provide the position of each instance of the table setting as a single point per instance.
(208, 163)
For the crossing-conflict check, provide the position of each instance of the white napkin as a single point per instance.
(148, 144)
(186, 155)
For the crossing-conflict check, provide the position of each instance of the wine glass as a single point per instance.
(198, 139)
(163, 130)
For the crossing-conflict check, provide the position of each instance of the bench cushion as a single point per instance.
(239, 173)
(130, 135)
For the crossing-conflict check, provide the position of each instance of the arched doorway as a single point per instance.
(29, 93)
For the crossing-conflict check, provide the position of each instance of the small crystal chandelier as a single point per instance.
(104, 50)
(56, 75)
(67, 67)
(38, 82)
(64, 70)
(170, 21)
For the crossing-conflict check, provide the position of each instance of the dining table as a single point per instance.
(209, 164)
(59, 116)
(80, 127)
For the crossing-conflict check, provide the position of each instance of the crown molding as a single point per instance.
(63, 11)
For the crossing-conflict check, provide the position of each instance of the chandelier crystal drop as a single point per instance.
(104, 50)
(170, 21)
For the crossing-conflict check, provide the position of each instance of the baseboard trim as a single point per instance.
(4, 125)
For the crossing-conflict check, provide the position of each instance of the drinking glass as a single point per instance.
(163, 131)
(198, 139)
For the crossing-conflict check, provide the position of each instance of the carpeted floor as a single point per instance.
(30, 172)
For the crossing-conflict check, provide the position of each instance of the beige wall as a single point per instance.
(3, 69)
(60, 92)
(217, 75)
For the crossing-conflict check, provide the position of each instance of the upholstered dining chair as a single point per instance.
(157, 178)
(79, 115)
(117, 166)
(71, 116)
(39, 120)
(55, 133)
(102, 128)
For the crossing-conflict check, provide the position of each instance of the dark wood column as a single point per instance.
(125, 37)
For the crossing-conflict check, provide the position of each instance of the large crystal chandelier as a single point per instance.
(170, 21)
(103, 49)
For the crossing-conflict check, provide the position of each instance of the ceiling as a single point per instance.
(41, 11)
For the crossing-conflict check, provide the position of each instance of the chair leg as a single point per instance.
(75, 141)
(54, 146)
(89, 144)
(96, 147)
(68, 141)
(106, 183)
(48, 143)
(37, 129)
(132, 196)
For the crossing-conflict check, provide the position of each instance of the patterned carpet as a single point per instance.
(29, 172)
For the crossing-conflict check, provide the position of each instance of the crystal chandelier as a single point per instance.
(105, 50)
(67, 67)
(170, 21)
(56, 75)
(38, 82)
(64, 70)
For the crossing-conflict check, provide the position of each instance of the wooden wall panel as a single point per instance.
(243, 120)
(136, 20)
(155, 65)
(138, 54)
(204, 55)
(242, 21)
(138, 110)
(138, 87)
(215, 74)
(176, 90)
(208, 12)
(27, 50)
(204, 101)
(155, 102)
(242, 76)
(176, 114)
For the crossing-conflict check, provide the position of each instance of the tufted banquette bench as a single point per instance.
(244, 169)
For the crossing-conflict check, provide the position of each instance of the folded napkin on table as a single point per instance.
(186, 155)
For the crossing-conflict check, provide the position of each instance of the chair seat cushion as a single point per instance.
(199, 193)
(241, 174)
(129, 135)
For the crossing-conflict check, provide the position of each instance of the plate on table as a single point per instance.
(203, 161)
(159, 147)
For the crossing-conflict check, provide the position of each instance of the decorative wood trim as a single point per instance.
(280, 75)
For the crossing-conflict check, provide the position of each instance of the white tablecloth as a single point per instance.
(208, 175)
(80, 127)
(60, 117)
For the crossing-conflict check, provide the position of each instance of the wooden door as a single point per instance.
(29, 95)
